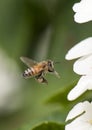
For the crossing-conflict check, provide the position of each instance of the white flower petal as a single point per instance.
(83, 11)
(82, 122)
(81, 49)
(83, 66)
(77, 110)
(78, 124)
(84, 84)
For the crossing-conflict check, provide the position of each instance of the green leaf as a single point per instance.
(61, 97)
(49, 126)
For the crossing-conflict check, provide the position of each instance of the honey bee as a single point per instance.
(38, 69)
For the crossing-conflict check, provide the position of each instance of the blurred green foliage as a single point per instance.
(49, 126)
(40, 29)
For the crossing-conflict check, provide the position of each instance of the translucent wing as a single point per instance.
(29, 62)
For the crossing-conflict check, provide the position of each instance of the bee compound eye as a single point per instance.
(50, 63)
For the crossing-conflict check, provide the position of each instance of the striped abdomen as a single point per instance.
(28, 73)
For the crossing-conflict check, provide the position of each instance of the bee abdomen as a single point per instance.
(28, 73)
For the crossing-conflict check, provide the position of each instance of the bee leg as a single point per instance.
(41, 79)
(44, 80)
(54, 72)
(57, 74)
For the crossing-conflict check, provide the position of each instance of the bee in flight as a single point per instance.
(38, 69)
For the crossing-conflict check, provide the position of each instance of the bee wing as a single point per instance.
(29, 62)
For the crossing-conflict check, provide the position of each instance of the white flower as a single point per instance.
(10, 84)
(83, 11)
(81, 49)
(83, 67)
(82, 121)
(84, 84)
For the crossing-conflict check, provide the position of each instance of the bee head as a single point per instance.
(50, 66)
